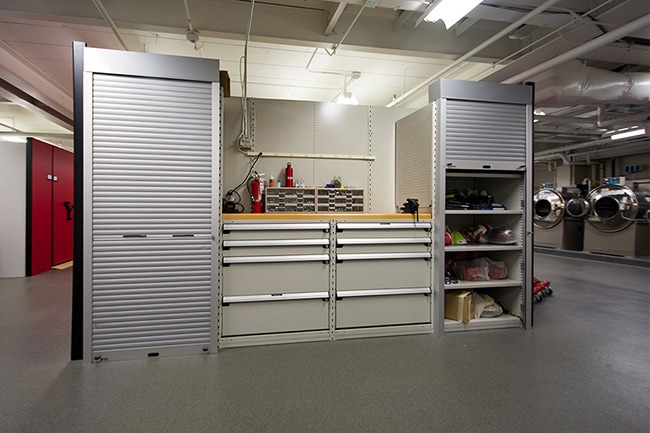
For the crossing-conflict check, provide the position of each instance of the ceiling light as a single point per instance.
(628, 134)
(347, 98)
(449, 11)
(13, 138)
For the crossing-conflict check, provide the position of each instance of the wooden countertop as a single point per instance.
(321, 216)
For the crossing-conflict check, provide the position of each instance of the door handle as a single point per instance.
(69, 208)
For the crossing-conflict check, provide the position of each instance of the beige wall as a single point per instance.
(13, 198)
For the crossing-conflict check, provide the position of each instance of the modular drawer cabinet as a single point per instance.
(313, 278)
(383, 274)
(275, 278)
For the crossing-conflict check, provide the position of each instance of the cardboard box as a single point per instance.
(224, 81)
(459, 305)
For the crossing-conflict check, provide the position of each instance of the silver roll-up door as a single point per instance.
(485, 135)
(152, 215)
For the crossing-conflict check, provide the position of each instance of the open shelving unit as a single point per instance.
(507, 189)
(474, 136)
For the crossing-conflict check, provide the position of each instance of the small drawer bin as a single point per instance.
(340, 200)
(290, 199)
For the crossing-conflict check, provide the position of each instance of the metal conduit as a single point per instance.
(598, 42)
(110, 22)
(493, 39)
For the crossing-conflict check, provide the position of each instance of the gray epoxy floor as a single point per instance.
(585, 367)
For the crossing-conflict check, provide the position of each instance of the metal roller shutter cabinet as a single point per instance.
(485, 135)
(151, 215)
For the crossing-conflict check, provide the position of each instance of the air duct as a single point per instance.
(574, 83)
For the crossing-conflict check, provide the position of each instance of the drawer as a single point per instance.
(278, 247)
(364, 230)
(365, 311)
(383, 273)
(261, 278)
(361, 248)
(266, 317)
(279, 231)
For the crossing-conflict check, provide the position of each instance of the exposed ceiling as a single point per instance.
(589, 59)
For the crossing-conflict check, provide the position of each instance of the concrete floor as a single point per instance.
(585, 367)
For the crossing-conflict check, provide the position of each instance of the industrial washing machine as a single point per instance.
(557, 222)
(618, 221)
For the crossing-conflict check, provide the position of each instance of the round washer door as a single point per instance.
(578, 207)
(613, 207)
(548, 208)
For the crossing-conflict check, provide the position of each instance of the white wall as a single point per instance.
(13, 198)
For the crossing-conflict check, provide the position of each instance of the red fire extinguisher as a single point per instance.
(257, 191)
(288, 176)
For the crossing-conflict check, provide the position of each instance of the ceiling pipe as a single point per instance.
(345, 35)
(626, 149)
(335, 19)
(591, 45)
(545, 154)
(576, 18)
(111, 23)
(245, 137)
(619, 120)
(575, 83)
(425, 84)
(594, 143)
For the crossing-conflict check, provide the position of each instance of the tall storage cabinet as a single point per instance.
(147, 161)
(479, 139)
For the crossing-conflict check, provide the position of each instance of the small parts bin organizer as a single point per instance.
(314, 199)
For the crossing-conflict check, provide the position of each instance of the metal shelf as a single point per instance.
(469, 285)
(484, 212)
(481, 247)
(504, 321)
(484, 175)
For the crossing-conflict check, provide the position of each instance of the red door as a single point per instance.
(62, 202)
(50, 176)
(39, 236)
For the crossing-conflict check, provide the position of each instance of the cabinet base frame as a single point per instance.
(382, 331)
(267, 339)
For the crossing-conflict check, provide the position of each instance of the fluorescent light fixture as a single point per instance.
(628, 134)
(449, 11)
(347, 98)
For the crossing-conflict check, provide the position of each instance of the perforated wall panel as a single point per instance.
(414, 162)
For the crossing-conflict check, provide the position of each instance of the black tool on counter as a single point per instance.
(411, 206)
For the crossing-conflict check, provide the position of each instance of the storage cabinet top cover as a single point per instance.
(483, 125)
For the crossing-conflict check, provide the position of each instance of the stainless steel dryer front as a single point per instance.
(554, 225)
(617, 221)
